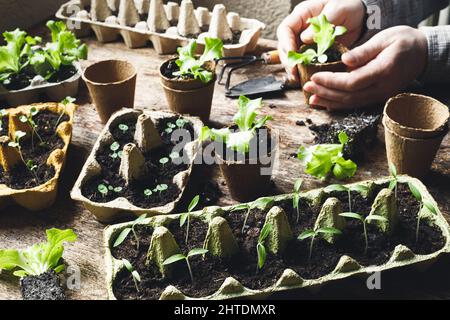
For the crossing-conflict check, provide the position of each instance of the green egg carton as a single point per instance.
(401, 256)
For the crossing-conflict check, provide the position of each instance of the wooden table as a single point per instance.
(19, 228)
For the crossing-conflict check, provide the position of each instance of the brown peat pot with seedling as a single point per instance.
(245, 151)
(415, 126)
(324, 55)
(189, 80)
(38, 266)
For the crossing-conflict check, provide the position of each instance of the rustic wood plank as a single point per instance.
(19, 228)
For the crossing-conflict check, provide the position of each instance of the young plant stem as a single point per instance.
(136, 237)
(190, 270)
(349, 192)
(365, 237)
(187, 228)
(418, 223)
(311, 248)
(298, 213)
(245, 220)
(136, 285)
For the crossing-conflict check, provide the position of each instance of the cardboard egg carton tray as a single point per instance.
(167, 26)
(145, 136)
(401, 256)
(44, 195)
(39, 87)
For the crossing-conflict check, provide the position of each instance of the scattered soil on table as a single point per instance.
(43, 287)
(20, 176)
(360, 128)
(159, 173)
(211, 271)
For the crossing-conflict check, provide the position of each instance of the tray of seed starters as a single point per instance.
(141, 163)
(167, 26)
(300, 240)
(33, 146)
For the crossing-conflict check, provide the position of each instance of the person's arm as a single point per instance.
(405, 12)
(438, 61)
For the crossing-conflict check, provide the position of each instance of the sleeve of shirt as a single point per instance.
(438, 66)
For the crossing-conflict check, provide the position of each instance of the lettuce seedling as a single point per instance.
(296, 197)
(125, 232)
(123, 127)
(161, 188)
(325, 34)
(163, 161)
(190, 66)
(260, 203)
(148, 193)
(104, 189)
(423, 203)
(187, 215)
(16, 144)
(134, 273)
(39, 258)
(116, 152)
(64, 49)
(320, 159)
(247, 123)
(64, 102)
(312, 234)
(364, 220)
(14, 55)
(260, 246)
(340, 188)
(394, 178)
(179, 256)
(30, 121)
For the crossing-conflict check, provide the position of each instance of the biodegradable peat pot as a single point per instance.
(411, 156)
(306, 71)
(190, 96)
(416, 116)
(112, 85)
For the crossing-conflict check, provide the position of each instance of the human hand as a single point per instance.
(294, 29)
(383, 66)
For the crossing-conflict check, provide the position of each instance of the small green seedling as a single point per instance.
(325, 34)
(161, 188)
(312, 234)
(320, 159)
(125, 232)
(116, 152)
(187, 215)
(148, 193)
(393, 184)
(423, 203)
(104, 189)
(296, 197)
(16, 144)
(181, 123)
(260, 246)
(174, 155)
(134, 273)
(123, 127)
(260, 203)
(29, 119)
(164, 161)
(364, 220)
(179, 256)
(3, 114)
(64, 102)
(170, 127)
(340, 188)
(33, 169)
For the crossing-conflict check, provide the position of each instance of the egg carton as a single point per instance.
(167, 26)
(44, 195)
(162, 240)
(39, 86)
(131, 166)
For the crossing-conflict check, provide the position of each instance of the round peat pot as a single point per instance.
(411, 156)
(307, 71)
(188, 96)
(416, 116)
(112, 85)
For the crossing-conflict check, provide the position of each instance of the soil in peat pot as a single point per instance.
(17, 82)
(210, 272)
(20, 176)
(42, 287)
(64, 73)
(158, 173)
(4, 125)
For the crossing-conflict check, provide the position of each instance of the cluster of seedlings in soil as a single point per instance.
(25, 152)
(139, 161)
(255, 243)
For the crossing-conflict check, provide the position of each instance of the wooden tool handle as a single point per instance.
(271, 57)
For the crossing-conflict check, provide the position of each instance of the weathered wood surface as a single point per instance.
(19, 228)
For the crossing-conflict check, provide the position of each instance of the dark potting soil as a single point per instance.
(42, 287)
(170, 68)
(158, 173)
(64, 73)
(4, 121)
(210, 272)
(360, 128)
(20, 176)
(17, 82)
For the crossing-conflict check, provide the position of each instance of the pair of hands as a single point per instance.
(380, 68)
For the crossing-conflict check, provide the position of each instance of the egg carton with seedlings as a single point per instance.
(274, 235)
(20, 126)
(167, 26)
(132, 163)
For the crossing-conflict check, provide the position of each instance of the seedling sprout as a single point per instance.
(260, 203)
(29, 119)
(125, 232)
(338, 187)
(312, 234)
(187, 215)
(123, 127)
(65, 102)
(179, 256)
(134, 273)
(393, 184)
(116, 152)
(423, 203)
(260, 246)
(296, 197)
